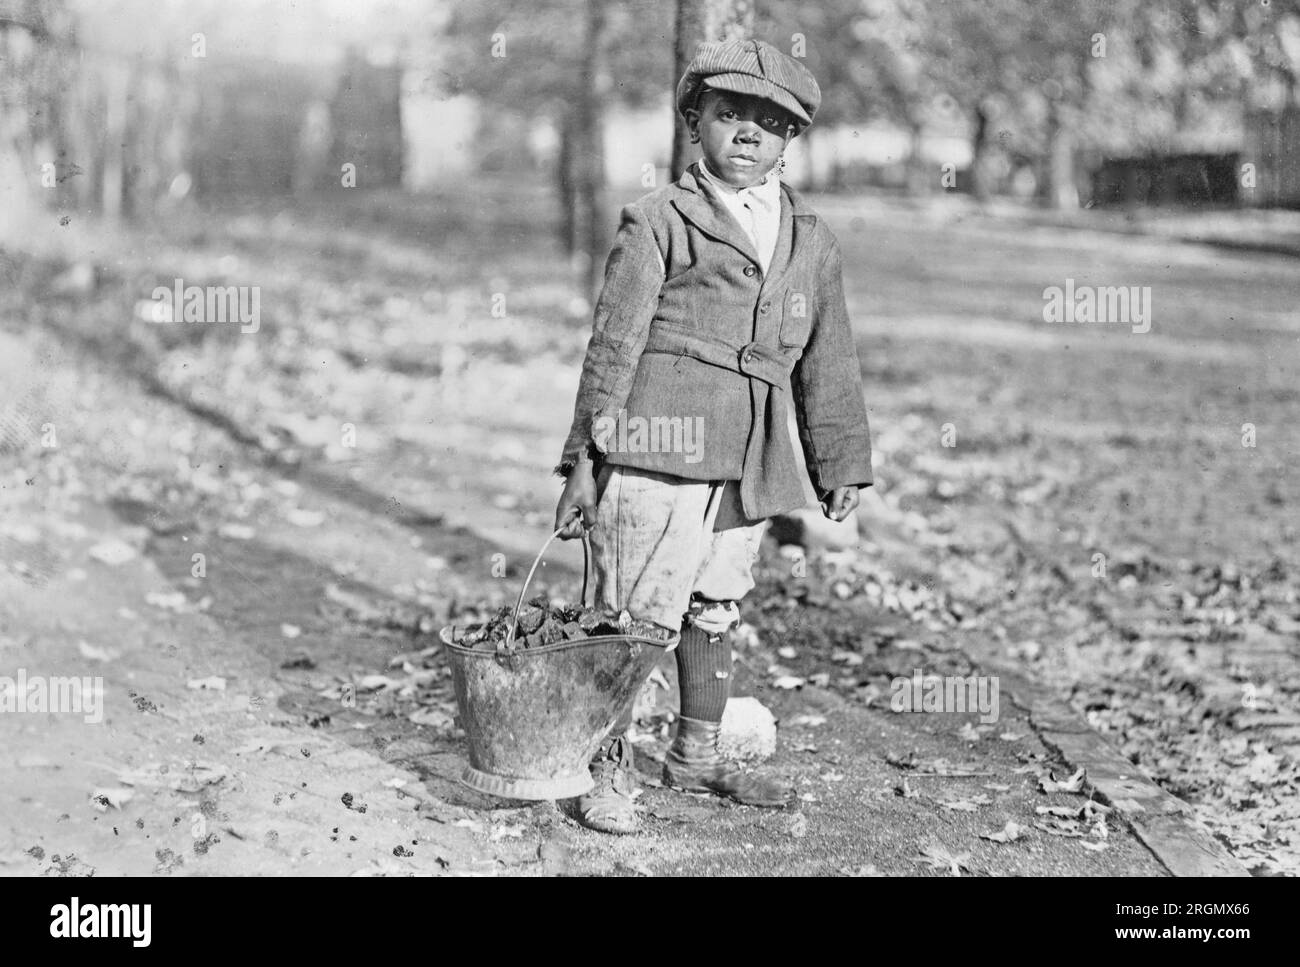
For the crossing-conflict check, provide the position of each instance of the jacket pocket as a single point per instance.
(796, 320)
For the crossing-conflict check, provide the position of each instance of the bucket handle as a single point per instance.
(508, 645)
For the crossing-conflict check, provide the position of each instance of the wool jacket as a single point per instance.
(696, 353)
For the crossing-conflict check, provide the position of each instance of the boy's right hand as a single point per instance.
(579, 493)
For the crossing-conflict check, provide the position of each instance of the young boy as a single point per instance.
(722, 305)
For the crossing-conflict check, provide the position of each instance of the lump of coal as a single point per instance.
(542, 624)
(531, 618)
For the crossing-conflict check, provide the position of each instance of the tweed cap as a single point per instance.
(751, 67)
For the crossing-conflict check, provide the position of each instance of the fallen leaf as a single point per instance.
(788, 682)
(506, 832)
(640, 869)
(195, 775)
(788, 653)
(1094, 810)
(1059, 827)
(901, 761)
(967, 805)
(236, 532)
(850, 658)
(1051, 784)
(1010, 736)
(290, 631)
(213, 683)
(808, 721)
(968, 733)
(102, 799)
(190, 777)
(428, 715)
(168, 601)
(1009, 833)
(112, 552)
(374, 683)
(95, 653)
(938, 857)
(821, 679)
(305, 518)
(1028, 650)
(1066, 812)
(1263, 768)
(1095, 847)
(798, 826)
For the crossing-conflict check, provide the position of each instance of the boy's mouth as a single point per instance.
(744, 160)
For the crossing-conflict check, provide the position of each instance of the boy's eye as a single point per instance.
(727, 114)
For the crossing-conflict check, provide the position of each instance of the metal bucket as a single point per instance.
(534, 717)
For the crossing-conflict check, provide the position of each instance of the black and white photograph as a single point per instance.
(651, 438)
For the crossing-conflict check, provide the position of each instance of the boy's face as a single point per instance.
(742, 136)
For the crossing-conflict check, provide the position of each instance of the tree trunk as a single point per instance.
(919, 180)
(979, 161)
(699, 21)
(566, 185)
(592, 211)
(113, 182)
(1061, 192)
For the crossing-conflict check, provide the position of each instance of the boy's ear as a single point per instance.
(692, 116)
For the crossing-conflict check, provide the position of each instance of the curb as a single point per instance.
(1159, 819)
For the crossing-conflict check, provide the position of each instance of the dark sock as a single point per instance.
(699, 662)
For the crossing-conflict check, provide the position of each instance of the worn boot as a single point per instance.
(694, 764)
(609, 808)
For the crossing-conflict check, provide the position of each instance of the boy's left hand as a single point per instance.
(839, 503)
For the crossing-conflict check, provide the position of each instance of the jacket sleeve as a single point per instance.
(634, 275)
(827, 389)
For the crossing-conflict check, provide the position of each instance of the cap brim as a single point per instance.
(759, 87)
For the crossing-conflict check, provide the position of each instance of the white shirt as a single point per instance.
(757, 209)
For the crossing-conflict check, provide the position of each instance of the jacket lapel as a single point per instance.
(805, 219)
(699, 206)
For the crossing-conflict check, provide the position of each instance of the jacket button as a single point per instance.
(751, 271)
(748, 356)
(765, 307)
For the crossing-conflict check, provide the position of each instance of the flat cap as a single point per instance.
(751, 67)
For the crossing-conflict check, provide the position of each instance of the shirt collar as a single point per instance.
(767, 192)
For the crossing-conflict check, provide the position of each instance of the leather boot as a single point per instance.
(609, 807)
(694, 764)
